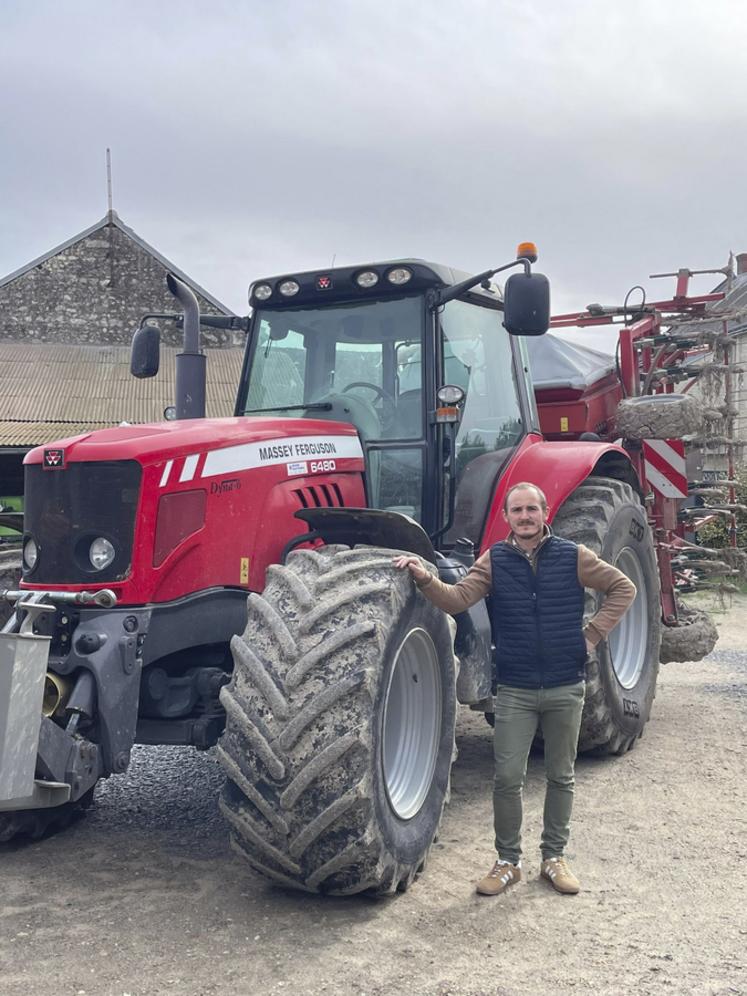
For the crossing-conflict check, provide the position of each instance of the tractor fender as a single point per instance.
(395, 531)
(558, 469)
(371, 526)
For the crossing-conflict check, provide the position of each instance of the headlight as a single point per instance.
(30, 553)
(101, 553)
(399, 275)
(289, 287)
(450, 394)
(262, 292)
(369, 278)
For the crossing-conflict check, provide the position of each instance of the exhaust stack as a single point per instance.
(191, 363)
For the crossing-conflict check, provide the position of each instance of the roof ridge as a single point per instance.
(112, 218)
(55, 251)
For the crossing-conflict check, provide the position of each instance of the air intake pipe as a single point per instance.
(191, 363)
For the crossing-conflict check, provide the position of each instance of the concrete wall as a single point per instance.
(95, 291)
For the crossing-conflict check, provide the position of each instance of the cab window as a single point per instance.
(476, 355)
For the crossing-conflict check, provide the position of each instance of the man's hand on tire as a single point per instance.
(415, 566)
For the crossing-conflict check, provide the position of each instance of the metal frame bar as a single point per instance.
(643, 366)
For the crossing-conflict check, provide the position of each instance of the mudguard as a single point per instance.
(558, 469)
(372, 526)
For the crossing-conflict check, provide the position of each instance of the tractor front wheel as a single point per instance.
(340, 724)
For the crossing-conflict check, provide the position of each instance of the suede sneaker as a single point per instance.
(560, 876)
(499, 878)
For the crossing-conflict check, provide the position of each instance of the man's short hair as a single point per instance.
(525, 484)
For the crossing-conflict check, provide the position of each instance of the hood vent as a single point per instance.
(320, 496)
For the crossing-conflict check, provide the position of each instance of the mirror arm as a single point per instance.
(210, 321)
(219, 322)
(449, 293)
(166, 318)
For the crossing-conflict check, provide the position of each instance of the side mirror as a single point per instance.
(526, 305)
(145, 356)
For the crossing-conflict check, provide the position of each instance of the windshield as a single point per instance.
(352, 363)
(312, 356)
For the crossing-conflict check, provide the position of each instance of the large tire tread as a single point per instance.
(299, 795)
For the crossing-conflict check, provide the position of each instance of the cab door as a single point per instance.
(478, 355)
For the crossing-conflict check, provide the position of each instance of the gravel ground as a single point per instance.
(143, 896)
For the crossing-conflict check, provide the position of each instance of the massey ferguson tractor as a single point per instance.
(228, 583)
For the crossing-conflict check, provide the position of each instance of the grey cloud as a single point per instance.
(263, 138)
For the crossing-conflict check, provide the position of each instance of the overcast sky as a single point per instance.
(256, 138)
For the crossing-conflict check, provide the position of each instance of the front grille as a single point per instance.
(319, 496)
(65, 510)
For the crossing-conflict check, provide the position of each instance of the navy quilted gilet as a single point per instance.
(537, 616)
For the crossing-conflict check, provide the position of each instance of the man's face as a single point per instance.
(525, 514)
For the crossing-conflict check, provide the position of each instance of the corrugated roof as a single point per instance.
(25, 434)
(85, 387)
(114, 219)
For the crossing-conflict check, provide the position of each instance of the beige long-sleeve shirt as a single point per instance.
(593, 572)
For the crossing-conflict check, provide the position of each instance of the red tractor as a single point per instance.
(381, 407)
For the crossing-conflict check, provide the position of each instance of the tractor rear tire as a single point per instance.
(606, 516)
(340, 714)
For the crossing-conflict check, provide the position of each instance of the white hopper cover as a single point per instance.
(556, 362)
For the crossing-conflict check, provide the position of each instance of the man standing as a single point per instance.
(536, 583)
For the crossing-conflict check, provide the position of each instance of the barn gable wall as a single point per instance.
(93, 291)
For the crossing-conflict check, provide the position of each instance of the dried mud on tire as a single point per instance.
(659, 416)
(692, 640)
(308, 799)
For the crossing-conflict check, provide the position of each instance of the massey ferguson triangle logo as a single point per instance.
(54, 460)
(324, 282)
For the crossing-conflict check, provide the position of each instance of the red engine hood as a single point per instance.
(217, 500)
(171, 440)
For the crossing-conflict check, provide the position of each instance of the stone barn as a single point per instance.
(93, 289)
(66, 323)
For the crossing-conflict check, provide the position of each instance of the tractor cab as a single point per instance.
(377, 346)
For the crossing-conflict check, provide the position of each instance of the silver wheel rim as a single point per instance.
(628, 641)
(412, 724)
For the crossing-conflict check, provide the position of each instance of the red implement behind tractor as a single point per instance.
(381, 407)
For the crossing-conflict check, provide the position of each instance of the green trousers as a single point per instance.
(518, 713)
